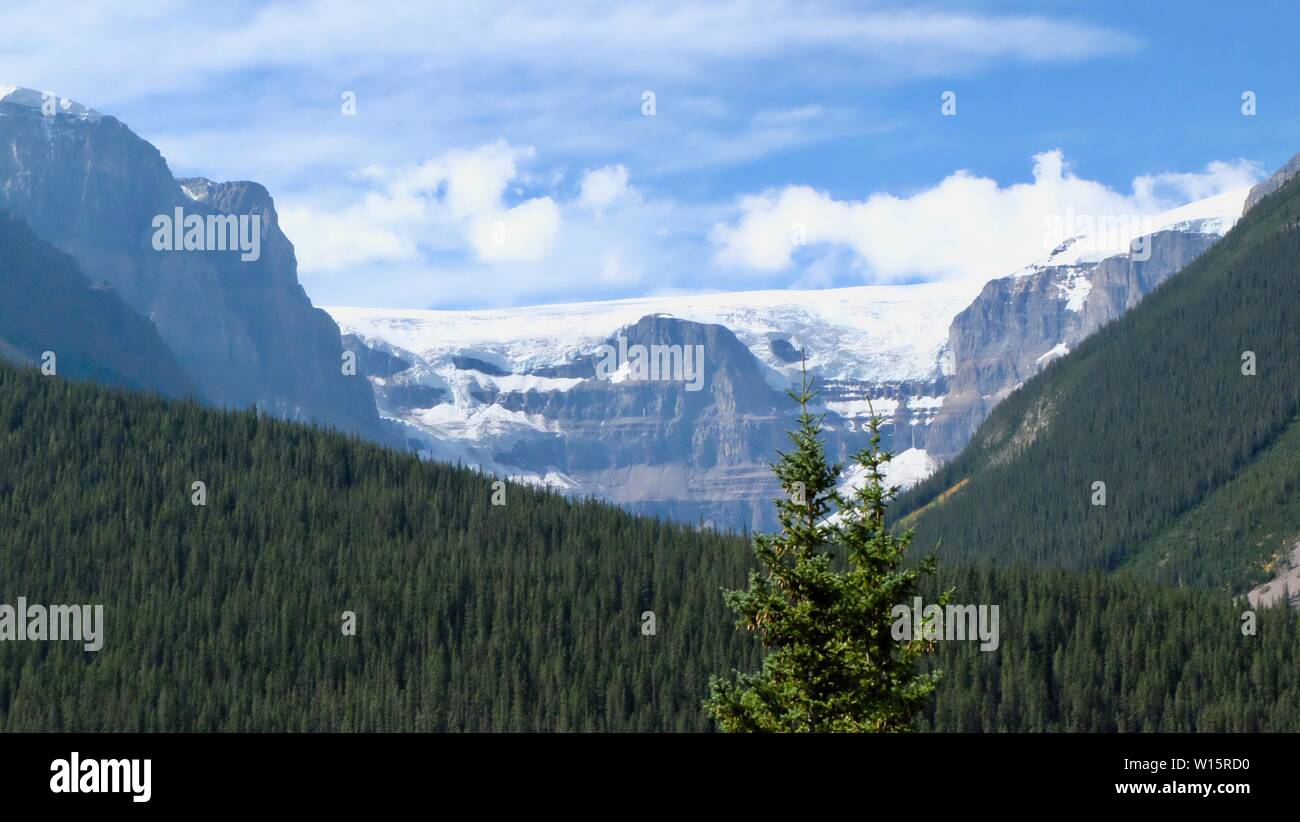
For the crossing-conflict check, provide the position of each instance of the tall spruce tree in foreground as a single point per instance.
(821, 600)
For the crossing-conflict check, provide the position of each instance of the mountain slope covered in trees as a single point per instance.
(470, 616)
(1196, 455)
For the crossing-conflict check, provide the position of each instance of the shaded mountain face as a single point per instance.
(1165, 445)
(673, 443)
(243, 329)
(48, 305)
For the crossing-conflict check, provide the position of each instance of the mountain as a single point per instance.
(236, 319)
(1019, 324)
(50, 306)
(1186, 408)
(516, 392)
(471, 616)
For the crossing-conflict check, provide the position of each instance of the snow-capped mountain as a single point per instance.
(519, 391)
(516, 391)
(1021, 323)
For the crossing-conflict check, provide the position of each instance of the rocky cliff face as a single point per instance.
(1020, 324)
(243, 329)
(1273, 183)
(691, 449)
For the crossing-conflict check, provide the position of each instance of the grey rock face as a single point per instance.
(653, 446)
(1273, 183)
(1019, 324)
(244, 331)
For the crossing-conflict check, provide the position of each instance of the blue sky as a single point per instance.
(500, 153)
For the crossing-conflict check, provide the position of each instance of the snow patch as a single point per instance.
(1076, 289)
(882, 407)
(1055, 352)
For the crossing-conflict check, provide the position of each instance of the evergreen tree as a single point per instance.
(821, 603)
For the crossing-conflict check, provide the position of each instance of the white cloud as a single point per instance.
(604, 186)
(344, 241)
(472, 226)
(585, 36)
(524, 233)
(454, 202)
(1186, 187)
(965, 227)
(443, 232)
(260, 98)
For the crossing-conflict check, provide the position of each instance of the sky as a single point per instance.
(484, 154)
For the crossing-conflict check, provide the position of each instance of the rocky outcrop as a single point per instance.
(1273, 183)
(657, 445)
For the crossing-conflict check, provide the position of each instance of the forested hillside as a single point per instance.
(471, 616)
(1197, 456)
(1103, 653)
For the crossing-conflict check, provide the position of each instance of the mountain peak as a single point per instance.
(30, 98)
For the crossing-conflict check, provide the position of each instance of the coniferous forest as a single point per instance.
(473, 616)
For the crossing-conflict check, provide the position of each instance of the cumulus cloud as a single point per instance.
(967, 226)
(455, 201)
(473, 226)
(604, 186)
(1217, 178)
(522, 234)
